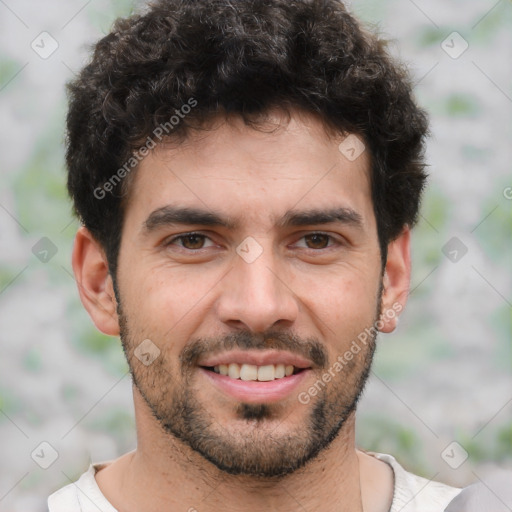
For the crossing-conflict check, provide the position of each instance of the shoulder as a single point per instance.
(84, 495)
(413, 493)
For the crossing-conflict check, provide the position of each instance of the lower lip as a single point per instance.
(253, 391)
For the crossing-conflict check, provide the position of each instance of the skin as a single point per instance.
(174, 297)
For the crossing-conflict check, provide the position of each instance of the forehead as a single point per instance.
(252, 175)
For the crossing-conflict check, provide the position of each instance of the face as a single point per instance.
(255, 255)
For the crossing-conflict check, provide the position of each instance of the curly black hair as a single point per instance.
(239, 57)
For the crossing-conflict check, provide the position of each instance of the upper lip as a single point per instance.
(257, 358)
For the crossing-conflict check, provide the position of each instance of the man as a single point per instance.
(247, 174)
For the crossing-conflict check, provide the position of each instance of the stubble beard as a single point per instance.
(257, 445)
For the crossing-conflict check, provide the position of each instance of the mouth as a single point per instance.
(252, 372)
(256, 377)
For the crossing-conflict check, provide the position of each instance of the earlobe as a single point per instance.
(396, 281)
(94, 282)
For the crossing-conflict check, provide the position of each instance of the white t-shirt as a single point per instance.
(412, 493)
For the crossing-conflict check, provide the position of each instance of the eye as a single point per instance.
(197, 241)
(190, 241)
(317, 241)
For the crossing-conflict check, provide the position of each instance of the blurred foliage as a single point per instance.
(475, 154)
(40, 187)
(102, 18)
(95, 342)
(401, 355)
(491, 443)
(501, 324)
(106, 349)
(503, 451)
(484, 30)
(494, 233)
(9, 403)
(116, 420)
(8, 69)
(70, 392)
(32, 361)
(428, 237)
(428, 36)
(371, 12)
(378, 433)
(460, 105)
(477, 452)
(455, 105)
(381, 434)
(7, 276)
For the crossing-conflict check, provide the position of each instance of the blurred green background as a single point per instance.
(445, 375)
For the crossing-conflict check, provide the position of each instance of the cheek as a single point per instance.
(344, 306)
(166, 303)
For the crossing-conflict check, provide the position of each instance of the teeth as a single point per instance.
(249, 372)
(279, 372)
(234, 371)
(264, 373)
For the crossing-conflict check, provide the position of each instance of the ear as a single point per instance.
(94, 282)
(396, 280)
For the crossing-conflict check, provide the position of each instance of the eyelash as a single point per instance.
(191, 233)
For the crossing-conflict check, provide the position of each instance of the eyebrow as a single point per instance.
(172, 215)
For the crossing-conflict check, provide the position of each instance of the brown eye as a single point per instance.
(317, 241)
(192, 241)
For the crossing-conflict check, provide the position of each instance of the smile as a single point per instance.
(256, 376)
(249, 372)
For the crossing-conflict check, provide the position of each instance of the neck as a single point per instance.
(163, 473)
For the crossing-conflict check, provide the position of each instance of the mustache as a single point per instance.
(309, 347)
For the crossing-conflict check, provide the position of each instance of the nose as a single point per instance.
(255, 295)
